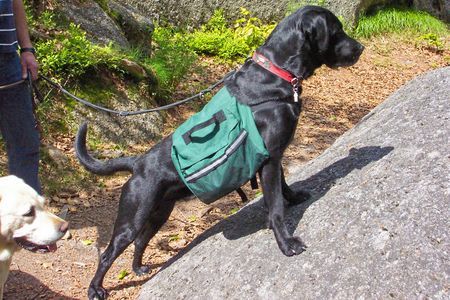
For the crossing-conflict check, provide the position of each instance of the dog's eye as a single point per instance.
(30, 213)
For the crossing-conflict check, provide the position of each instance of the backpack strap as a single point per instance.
(242, 194)
(217, 118)
(254, 185)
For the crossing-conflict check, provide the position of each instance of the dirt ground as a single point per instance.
(333, 102)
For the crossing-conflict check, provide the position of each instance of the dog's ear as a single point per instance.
(41, 200)
(316, 30)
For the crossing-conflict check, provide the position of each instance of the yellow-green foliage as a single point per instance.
(71, 54)
(229, 41)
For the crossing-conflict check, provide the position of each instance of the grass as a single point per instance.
(400, 20)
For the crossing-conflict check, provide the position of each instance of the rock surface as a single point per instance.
(137, 29)
(438, 8)
(123, 130)
(195, 13)
(351, 10)
(117, 23)
(376, 226)
(95, 21)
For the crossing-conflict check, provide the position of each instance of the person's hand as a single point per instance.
(29, 63)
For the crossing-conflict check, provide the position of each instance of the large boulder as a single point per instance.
(351, 10)
(137, 29)
(116, 22)
(438, 8)
(376, 227)
(94, 20)
(120, 129)
(197, 12)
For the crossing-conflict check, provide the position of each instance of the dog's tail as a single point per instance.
(107, 167)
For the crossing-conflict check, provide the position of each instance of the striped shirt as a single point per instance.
(8, 36)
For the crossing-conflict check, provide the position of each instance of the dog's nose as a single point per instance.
(64, 227)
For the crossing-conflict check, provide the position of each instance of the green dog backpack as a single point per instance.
(218, 149)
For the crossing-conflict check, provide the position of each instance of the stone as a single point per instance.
(57, 156)
(123, 130)
(94, 20)
(137, 28)
(438, 8)
(376, 226)
(133, 68)
(197, 12)
(351, 10)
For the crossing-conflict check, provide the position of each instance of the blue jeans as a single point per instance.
(17, 123)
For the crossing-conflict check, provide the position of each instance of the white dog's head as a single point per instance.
(24, 220)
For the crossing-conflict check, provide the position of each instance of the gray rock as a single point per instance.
(137, 29)
(133, 68)
(351, 10)
(123, 130)
(94, 20)
(57, 156)
(438, 8)
(377, 224)
(197, 12)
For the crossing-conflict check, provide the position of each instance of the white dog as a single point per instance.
(24, 223)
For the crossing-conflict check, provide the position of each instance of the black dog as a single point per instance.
(302, 42)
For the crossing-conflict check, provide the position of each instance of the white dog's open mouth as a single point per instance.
(25, 244)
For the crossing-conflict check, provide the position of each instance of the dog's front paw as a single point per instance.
(97, 293)
(292, 246)
(141, 270)
(297, 197)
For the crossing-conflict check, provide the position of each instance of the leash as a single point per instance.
(33, 92)
(257, 57)
(11, 85)
(201, 94)
(58, 86)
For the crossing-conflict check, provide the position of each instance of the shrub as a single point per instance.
(226, 41)
(171, 58)
(70, 54)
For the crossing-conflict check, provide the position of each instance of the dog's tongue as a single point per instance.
(52, 247)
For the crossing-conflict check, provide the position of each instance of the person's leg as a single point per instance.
(18, 127)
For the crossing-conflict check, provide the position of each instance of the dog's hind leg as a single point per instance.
(293, 197)
(271, 178)
(135, 205)
(157, 218)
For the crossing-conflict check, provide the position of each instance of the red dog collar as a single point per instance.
(268, 65)
(271, 67)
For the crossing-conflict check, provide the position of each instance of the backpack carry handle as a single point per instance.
(217, 118)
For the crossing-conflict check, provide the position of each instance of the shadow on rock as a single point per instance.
(253, 217)
(21, 285)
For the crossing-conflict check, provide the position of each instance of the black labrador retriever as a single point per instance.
(302, 42)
